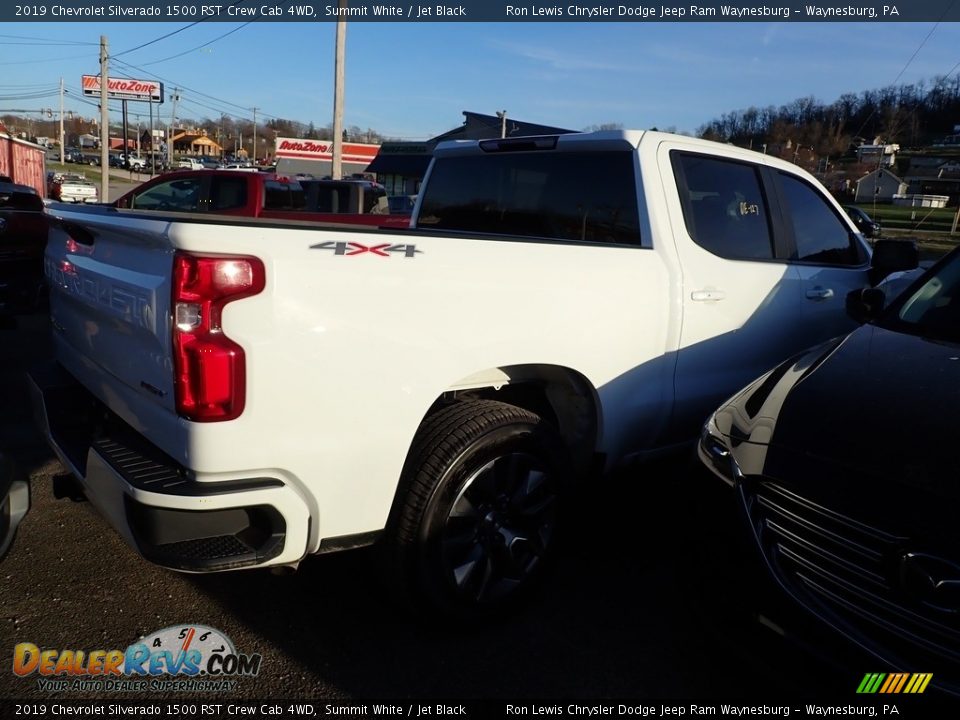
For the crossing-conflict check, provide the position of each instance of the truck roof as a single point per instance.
(605, 140)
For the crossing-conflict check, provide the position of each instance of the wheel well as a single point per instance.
(561, 396)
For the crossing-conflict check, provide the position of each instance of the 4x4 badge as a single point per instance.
(355, 248)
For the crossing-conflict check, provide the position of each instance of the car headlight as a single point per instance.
(714, 451)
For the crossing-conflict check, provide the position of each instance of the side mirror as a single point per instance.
(891, 256)
(865, 304)
(14, 503)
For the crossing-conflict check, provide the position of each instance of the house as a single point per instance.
(400, 166)
(156, 141)
(878, 154)
(880, 186)
(934, 176)
(195, 143)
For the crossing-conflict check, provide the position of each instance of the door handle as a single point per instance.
(819, 293)
(707, 295)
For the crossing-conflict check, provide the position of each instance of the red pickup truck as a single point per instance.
(254, 194)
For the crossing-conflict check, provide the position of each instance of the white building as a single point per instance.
(879, 154)
(880, 185)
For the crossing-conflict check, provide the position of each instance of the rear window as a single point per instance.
(228, 193)
(371, 199)
(328, 198)
(283, 195)
(578, 196)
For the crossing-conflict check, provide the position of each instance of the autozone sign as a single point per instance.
(303, 149)
(124, 88)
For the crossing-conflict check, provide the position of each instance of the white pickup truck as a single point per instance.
(239, 393)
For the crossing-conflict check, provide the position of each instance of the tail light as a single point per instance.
(209, 368)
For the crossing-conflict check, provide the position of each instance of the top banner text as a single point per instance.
(100, 11)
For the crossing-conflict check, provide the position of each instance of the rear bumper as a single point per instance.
(156, 504)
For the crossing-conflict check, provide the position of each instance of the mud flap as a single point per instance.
(14, 502)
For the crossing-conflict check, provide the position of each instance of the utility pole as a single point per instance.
(153, 142)
(173, 118)
(126, 130)
(255, 137)
(104, 124)
(502, 114)
(62, 151)
(336, 170)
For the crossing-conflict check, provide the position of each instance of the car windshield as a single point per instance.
(932, 310)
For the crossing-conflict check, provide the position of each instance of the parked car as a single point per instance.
(190, 164)
(23, 237)
(865, 224)
(134, 162)
(401, 204)
(844, 460)
(71, 187)
(158, 164)
(237, 166)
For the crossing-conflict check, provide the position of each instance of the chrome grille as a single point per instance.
(848, 573)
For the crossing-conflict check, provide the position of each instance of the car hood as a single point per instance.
(858, 423)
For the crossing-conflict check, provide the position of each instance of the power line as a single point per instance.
(191, 90)
(156, 40)
(50, 41)
(170, 34)
(907, 65)
(198, 47)
(43, 60)
(30, 96)
(24, 85)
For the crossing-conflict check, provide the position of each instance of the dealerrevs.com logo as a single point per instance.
(178, 658)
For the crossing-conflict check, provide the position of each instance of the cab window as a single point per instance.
(821, 236)
(283, 196)
(227, 193)
(724, 206)
(180, 195)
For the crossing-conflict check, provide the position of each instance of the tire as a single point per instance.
(478, 505)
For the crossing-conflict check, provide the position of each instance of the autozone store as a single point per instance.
(315, 157)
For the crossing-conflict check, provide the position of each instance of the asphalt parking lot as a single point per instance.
(647, 602)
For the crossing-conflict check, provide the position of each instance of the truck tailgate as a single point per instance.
(110, 299)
